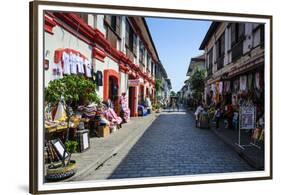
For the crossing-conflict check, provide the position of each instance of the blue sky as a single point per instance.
(177, 41)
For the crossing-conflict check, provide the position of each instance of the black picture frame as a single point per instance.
(33, 81)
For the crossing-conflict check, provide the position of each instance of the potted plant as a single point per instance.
(157, 108)
(71, 91)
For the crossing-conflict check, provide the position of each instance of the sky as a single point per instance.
(176, 42)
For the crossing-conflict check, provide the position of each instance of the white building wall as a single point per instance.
(101, 66)
(59, 40)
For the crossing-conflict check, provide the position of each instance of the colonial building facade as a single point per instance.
(116, 52)
(234, 54)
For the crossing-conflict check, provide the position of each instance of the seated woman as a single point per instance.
(111, 116)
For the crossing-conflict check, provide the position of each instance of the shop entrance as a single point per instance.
(111, 88)
(113, 92)
(132, 100)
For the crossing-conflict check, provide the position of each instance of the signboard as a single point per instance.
(247, 117)
(134, 82)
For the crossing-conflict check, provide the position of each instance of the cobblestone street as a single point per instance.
(171, 146)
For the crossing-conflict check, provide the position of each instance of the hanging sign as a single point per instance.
(134, 82)
(247, 117)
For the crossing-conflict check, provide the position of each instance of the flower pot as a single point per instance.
(56, 172)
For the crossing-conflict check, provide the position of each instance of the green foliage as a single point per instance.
(197, 80)
(156, 106)
(73, 89)
(173, 93)
(71, 146)
(158, 84)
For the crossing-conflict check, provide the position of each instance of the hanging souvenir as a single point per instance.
(250, 81)
(257, 80)
(243, 83)
(220, 87)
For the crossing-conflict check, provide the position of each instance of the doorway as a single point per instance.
(132, 100)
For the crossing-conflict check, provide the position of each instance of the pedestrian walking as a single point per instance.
(177, 105)
(217, 115)
(199, 109)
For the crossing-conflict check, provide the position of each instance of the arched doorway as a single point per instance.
(133, 97)
(111, 88)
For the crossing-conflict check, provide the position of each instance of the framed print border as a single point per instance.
(33, 100)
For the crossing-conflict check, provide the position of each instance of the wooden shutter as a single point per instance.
(107, 19)
(134, 43)
(127, 34)
(111, 37)
(233, 34)
(241, 30)
(217, 49)
(222, 44)
(118, 24)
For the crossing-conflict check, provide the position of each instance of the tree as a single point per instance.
(71, 91)
(197, 84)
(158, 84)
(172, 93)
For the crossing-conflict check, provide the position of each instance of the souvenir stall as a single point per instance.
(69, 84)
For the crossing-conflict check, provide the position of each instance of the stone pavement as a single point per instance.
(102, 149)
(253, 155)
(171, 146)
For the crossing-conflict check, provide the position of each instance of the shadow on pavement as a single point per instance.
(173, 146)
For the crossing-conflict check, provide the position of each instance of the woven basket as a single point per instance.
(58, 172)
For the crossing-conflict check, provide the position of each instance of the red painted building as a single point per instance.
(119, 51)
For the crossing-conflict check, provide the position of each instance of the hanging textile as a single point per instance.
(66, 63)
(73, 63)
(226, 86)
(257, 80)
(236, 85)
(250, 82)
(88, 68)
(80, 64)
(220, 87)
(243, 83)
